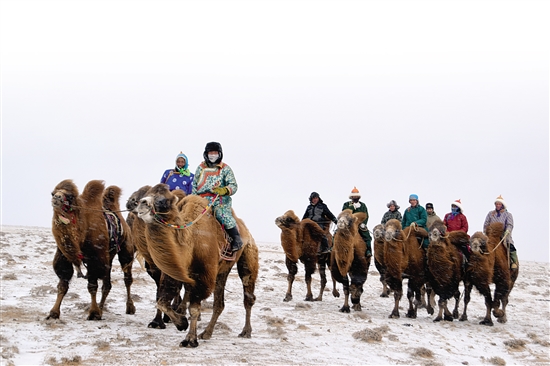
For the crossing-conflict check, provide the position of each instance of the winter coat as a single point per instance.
(431, 219)
(457, 222)
(320, 214)
(415, 214)
(220, 175)
(503, 216)
(175, 180)
(391, 215)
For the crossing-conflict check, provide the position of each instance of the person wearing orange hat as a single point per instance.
(456, 220)
(501, 214)
(357, 206)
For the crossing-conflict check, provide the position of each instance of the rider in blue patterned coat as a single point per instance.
(213, 178)
(180, 177)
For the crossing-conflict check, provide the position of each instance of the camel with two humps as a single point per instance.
(378, 235)
(185, 240)
(89, 229)
(168, 289)
(349, 265)
(445, 264)
(301, 241)
(404, 256)
(488, 264)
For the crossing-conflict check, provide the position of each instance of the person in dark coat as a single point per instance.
(318, 211)
(392, 213)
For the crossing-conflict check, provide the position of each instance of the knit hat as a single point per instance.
(355, 193)
(458, 204)
(501, 200)
(392, 202)
(182, 155)
(430, 205)
(413, 197)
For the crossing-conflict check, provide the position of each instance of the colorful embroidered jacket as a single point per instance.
(175, 180)
(220, 175)
(503, 216)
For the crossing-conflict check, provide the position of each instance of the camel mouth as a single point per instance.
(144, 209)
(435, 235)
(58, 200)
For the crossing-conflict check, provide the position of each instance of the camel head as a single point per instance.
(350, 221)
(393, 230)
(478, 242)
(64, 194)
(158, 201)
(134, 199)
(437, 231)
(288, 220)
(378, 232)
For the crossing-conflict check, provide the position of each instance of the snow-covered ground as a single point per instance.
(284, 333)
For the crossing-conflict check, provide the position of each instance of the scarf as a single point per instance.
(183, 171)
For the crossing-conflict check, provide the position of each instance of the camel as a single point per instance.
(89, 229)
(348, 258)
(185, 240)
(488, 263)
(170, 288)
(404, 256)
(445, 264)
(378, 234)
(300, 241)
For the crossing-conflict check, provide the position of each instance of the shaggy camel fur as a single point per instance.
(300, 241)
(170, 288)
(348, 258)
(488, 264)
(378, 234)
(403, 255)
(445, 264)
(82, 235)
(184, 240)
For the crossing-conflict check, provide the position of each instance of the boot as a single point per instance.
(323, 248)
(514, 260)
(236, 242)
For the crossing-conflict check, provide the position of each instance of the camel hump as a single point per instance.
(459, 238)
(394, 223)
(92, 194)
(361, 216)
(313, 229)
(111, 196)
(439, 225)
(496, 228)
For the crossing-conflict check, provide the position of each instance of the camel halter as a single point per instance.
(500, 242)
(160, 220)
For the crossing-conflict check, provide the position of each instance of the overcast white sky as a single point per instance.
(445, 99)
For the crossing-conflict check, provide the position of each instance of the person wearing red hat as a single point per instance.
(501, 214)
(357, 206)
(456, 220)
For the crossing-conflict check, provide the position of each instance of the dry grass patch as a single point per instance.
(496, 361)
(515, 344)
(535, 338)
(423, 352)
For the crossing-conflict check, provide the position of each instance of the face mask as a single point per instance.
(213, 157)
(454, 210)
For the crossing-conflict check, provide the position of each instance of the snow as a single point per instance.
(284, 333)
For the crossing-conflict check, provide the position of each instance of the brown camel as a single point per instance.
(488, 263)
(170, 287)
(184, 240)
(89, 229)
(378, 234)
(445, 264)
(349, 266)
(300, 241)
(404, 256)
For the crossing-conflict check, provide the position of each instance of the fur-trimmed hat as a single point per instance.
(501, 200)
(392, 202)
(182, 155)
(212, 146)
(355, 193)
(413, 197)
(458, 204)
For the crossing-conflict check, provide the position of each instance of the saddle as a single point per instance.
(115, 230)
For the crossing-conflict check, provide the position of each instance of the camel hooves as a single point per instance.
(156, 325)
(463, 318)
(130, 309)
(345, 309)
(383, 294)
(486, 322)
(336, 293)
(189, 344)
(287, 298)
(94, 316)
(183, 325)
(53, 315)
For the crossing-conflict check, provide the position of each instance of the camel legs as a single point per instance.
(219, 302)
(168, 289)
(444, 313)
(397, 287)
(501, 295)
(486, 292)
(64, 271)
(126, 259)
(248, 272)
(414, 295)
(382, 271)
(323, 259)
(467, 292)
(310, 269)
(345, 285)
(191, 338)
(457, 301)
(292, 270)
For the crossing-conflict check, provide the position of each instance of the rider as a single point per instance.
(501, 214)
(214, 178)
(318, 211)
(180, 177)
(357, 206)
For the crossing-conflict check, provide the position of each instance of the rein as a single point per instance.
(495, 248)
(160, 220)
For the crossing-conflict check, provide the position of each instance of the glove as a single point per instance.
(507, 233)
(222, 191)
(363, 227)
